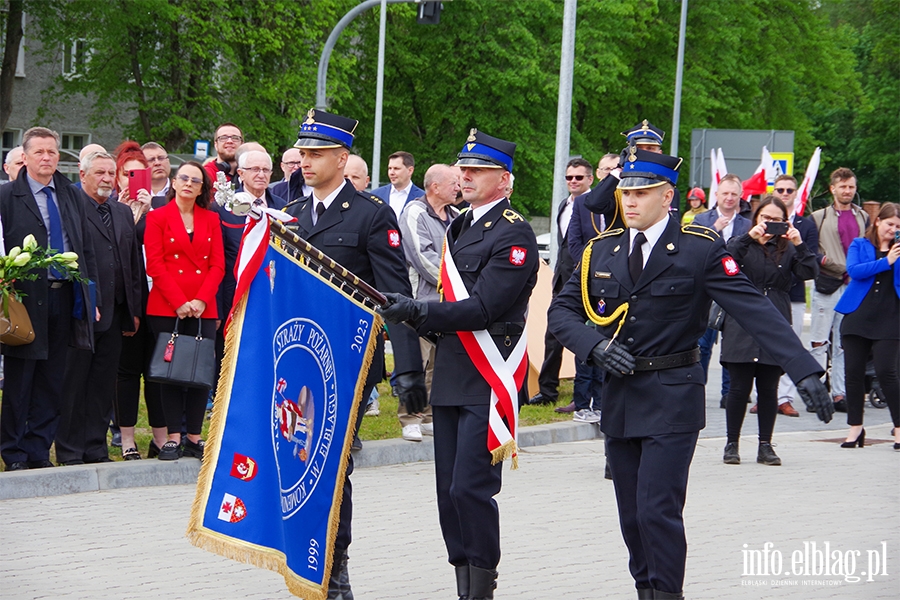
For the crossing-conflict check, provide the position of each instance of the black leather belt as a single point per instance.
(502, 329)
(669, 361)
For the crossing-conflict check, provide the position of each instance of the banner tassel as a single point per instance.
(509, 449)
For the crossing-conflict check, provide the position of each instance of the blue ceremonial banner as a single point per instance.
(297, 354)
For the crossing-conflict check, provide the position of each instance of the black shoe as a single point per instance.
(102, 459)
(731, 456)
(840, 405)
(482, 583)
(356, 444)
(39, 464)
(194, 450)
(339, 579)
(116, 441)
(660, 595)
(541, 400)
(152, 450)
(170, 451)
(71, 463)
(17, 466)
(767, 456)
(722, 401)
(131, 454)
(645, 593)
(859, 441)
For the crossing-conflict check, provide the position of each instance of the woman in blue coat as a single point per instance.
(871, 304)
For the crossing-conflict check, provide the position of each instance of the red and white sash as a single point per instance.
(254, 243)
(504, 376)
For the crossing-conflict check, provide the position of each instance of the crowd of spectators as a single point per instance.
(159, 251)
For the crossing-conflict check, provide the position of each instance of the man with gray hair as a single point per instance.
(15, 160)
(423, 225)
(90, 377)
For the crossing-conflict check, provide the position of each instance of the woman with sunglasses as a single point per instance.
(186, 261)
(767, 254)
(871, 305)
(137, 348)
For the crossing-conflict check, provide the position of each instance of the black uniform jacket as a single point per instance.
(21, 216)
(667, 314)
(499, 280)
(360, 232)
(770, 274)
(122, 252)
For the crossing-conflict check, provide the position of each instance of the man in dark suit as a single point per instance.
(42, 202)
(649, 288)
(90, 382)
(725, 219)
(579, 178)
(360, 232)
(586, 225)
(401, 189)
(489, 248)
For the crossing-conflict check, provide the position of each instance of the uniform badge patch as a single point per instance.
(232, 509)
(517, 256)
(731, 268)
(243, 467)
(601, 306)
(394, 238)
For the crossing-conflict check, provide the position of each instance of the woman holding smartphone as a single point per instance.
(871, 305)
(767, 254)
(186, 260)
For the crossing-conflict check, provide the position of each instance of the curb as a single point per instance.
(60, 481)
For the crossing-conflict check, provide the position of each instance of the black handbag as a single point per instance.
(826, 284)
(186, 360)
(716, 317)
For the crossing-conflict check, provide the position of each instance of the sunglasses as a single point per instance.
(575, 177)
(186, 179)
(785, 190)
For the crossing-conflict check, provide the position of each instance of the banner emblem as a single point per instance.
(243, 467)
(232, 509)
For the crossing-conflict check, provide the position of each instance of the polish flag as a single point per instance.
(717, 164)
(765, 172)
(805, 191)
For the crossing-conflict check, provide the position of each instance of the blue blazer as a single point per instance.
(862, 268)
(708, 219)
(384, 192)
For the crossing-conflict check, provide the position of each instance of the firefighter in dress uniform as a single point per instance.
(361, 233)
(648, 286)
(489, 269)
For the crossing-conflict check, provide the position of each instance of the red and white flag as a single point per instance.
(719, 170)
(758, 184)
(804, 192)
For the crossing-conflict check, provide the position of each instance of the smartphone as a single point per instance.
(897, 237)
(138, 179)
(776, 228)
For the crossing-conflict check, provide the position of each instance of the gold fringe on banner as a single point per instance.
(509, 449)
(233, 548)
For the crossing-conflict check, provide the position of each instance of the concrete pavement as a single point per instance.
(560, 532)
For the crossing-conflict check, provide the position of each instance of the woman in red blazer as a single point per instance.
(186, 260)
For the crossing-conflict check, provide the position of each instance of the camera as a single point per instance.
(776, 227)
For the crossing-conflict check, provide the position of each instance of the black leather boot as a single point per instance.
(659, 595)
(339, 580)
(645, 593)
(482, 583)
(462, 582)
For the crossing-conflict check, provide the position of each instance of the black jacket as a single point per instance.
(21, 216)
(124, 253)
(772, 275)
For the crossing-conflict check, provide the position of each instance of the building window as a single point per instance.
(75, 57)
(75, 141)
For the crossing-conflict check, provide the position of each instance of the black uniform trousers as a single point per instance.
(548, 378)
(650, 475)
(90, 389)
(466, 485)
(32, 389)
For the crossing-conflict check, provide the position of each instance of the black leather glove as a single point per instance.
(623, 157)
(399, 308)
(411, 390)
(815, 395)
(613, 358)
